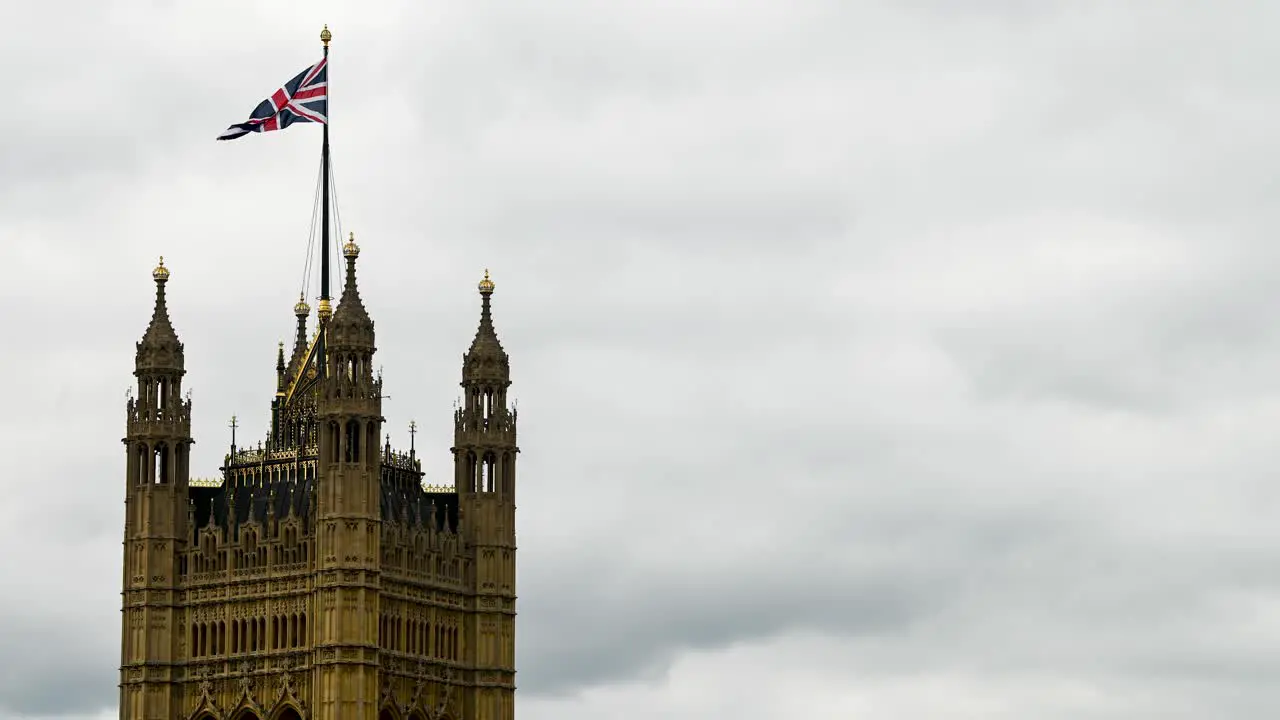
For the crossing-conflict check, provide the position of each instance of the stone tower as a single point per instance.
(349, 408)
(484, 452)
(157, 443)
(319, 576)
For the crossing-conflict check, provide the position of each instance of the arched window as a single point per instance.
(469, 473)
(488, 479)
(161, 475)
(144, 473)
(334, 442)
(353, 441)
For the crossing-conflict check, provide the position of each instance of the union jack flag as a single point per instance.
(305, 98)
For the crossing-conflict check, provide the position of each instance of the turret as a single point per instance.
(157, 442)
(484, 451)
(350, 400)
(301, 311)
(348, 492)
(159, 419)
(484, 427)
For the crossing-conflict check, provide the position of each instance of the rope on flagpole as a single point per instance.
(337, 215)
(308, 264)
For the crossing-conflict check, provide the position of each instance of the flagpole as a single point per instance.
(325, 310)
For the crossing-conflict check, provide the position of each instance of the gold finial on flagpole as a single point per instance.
(326, 36)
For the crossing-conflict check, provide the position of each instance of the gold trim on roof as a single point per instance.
(438, 488)
(206, 482)
(304, 368)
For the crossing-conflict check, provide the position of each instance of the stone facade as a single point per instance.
(318, 577)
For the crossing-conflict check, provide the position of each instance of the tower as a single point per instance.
(319, 577)
(349, 410)
(484, 452)
(157, 442)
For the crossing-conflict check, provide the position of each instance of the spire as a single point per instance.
(280, 377)
(159, 348)
(301, 311)
(486, 360)
(351, 324)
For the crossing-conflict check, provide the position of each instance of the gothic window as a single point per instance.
(161, 467)
(353, 441)
(469, 470)
(489, 480)
(334, 444)
(141, 458)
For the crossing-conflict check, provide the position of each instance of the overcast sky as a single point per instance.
(885, 360)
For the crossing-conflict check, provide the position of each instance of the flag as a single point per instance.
(305, 98)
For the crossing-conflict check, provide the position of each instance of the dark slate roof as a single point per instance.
(252, 501)
(399, 504)
(419, 507)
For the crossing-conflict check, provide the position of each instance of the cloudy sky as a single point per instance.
(903, 360)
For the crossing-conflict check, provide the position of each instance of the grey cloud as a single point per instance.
(938, 331)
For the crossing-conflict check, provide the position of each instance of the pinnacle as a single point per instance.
(160, 347)
(351, 319)
(300, 344)
(485, 358)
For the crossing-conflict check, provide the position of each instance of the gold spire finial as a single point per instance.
(302, 308)
(486, 285)
(325, 310)
(326, 36)
(351, 249)
(161, 273)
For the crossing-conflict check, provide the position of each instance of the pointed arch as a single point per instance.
(143, 472)
(488, 473)
(287, 711)
(335, 442)
(353, 441)
(388, 712)
(470, 470)
(161, 467)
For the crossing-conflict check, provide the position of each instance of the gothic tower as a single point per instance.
(319, 577)
(484, 451)
(349, 409)
(157, 442)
